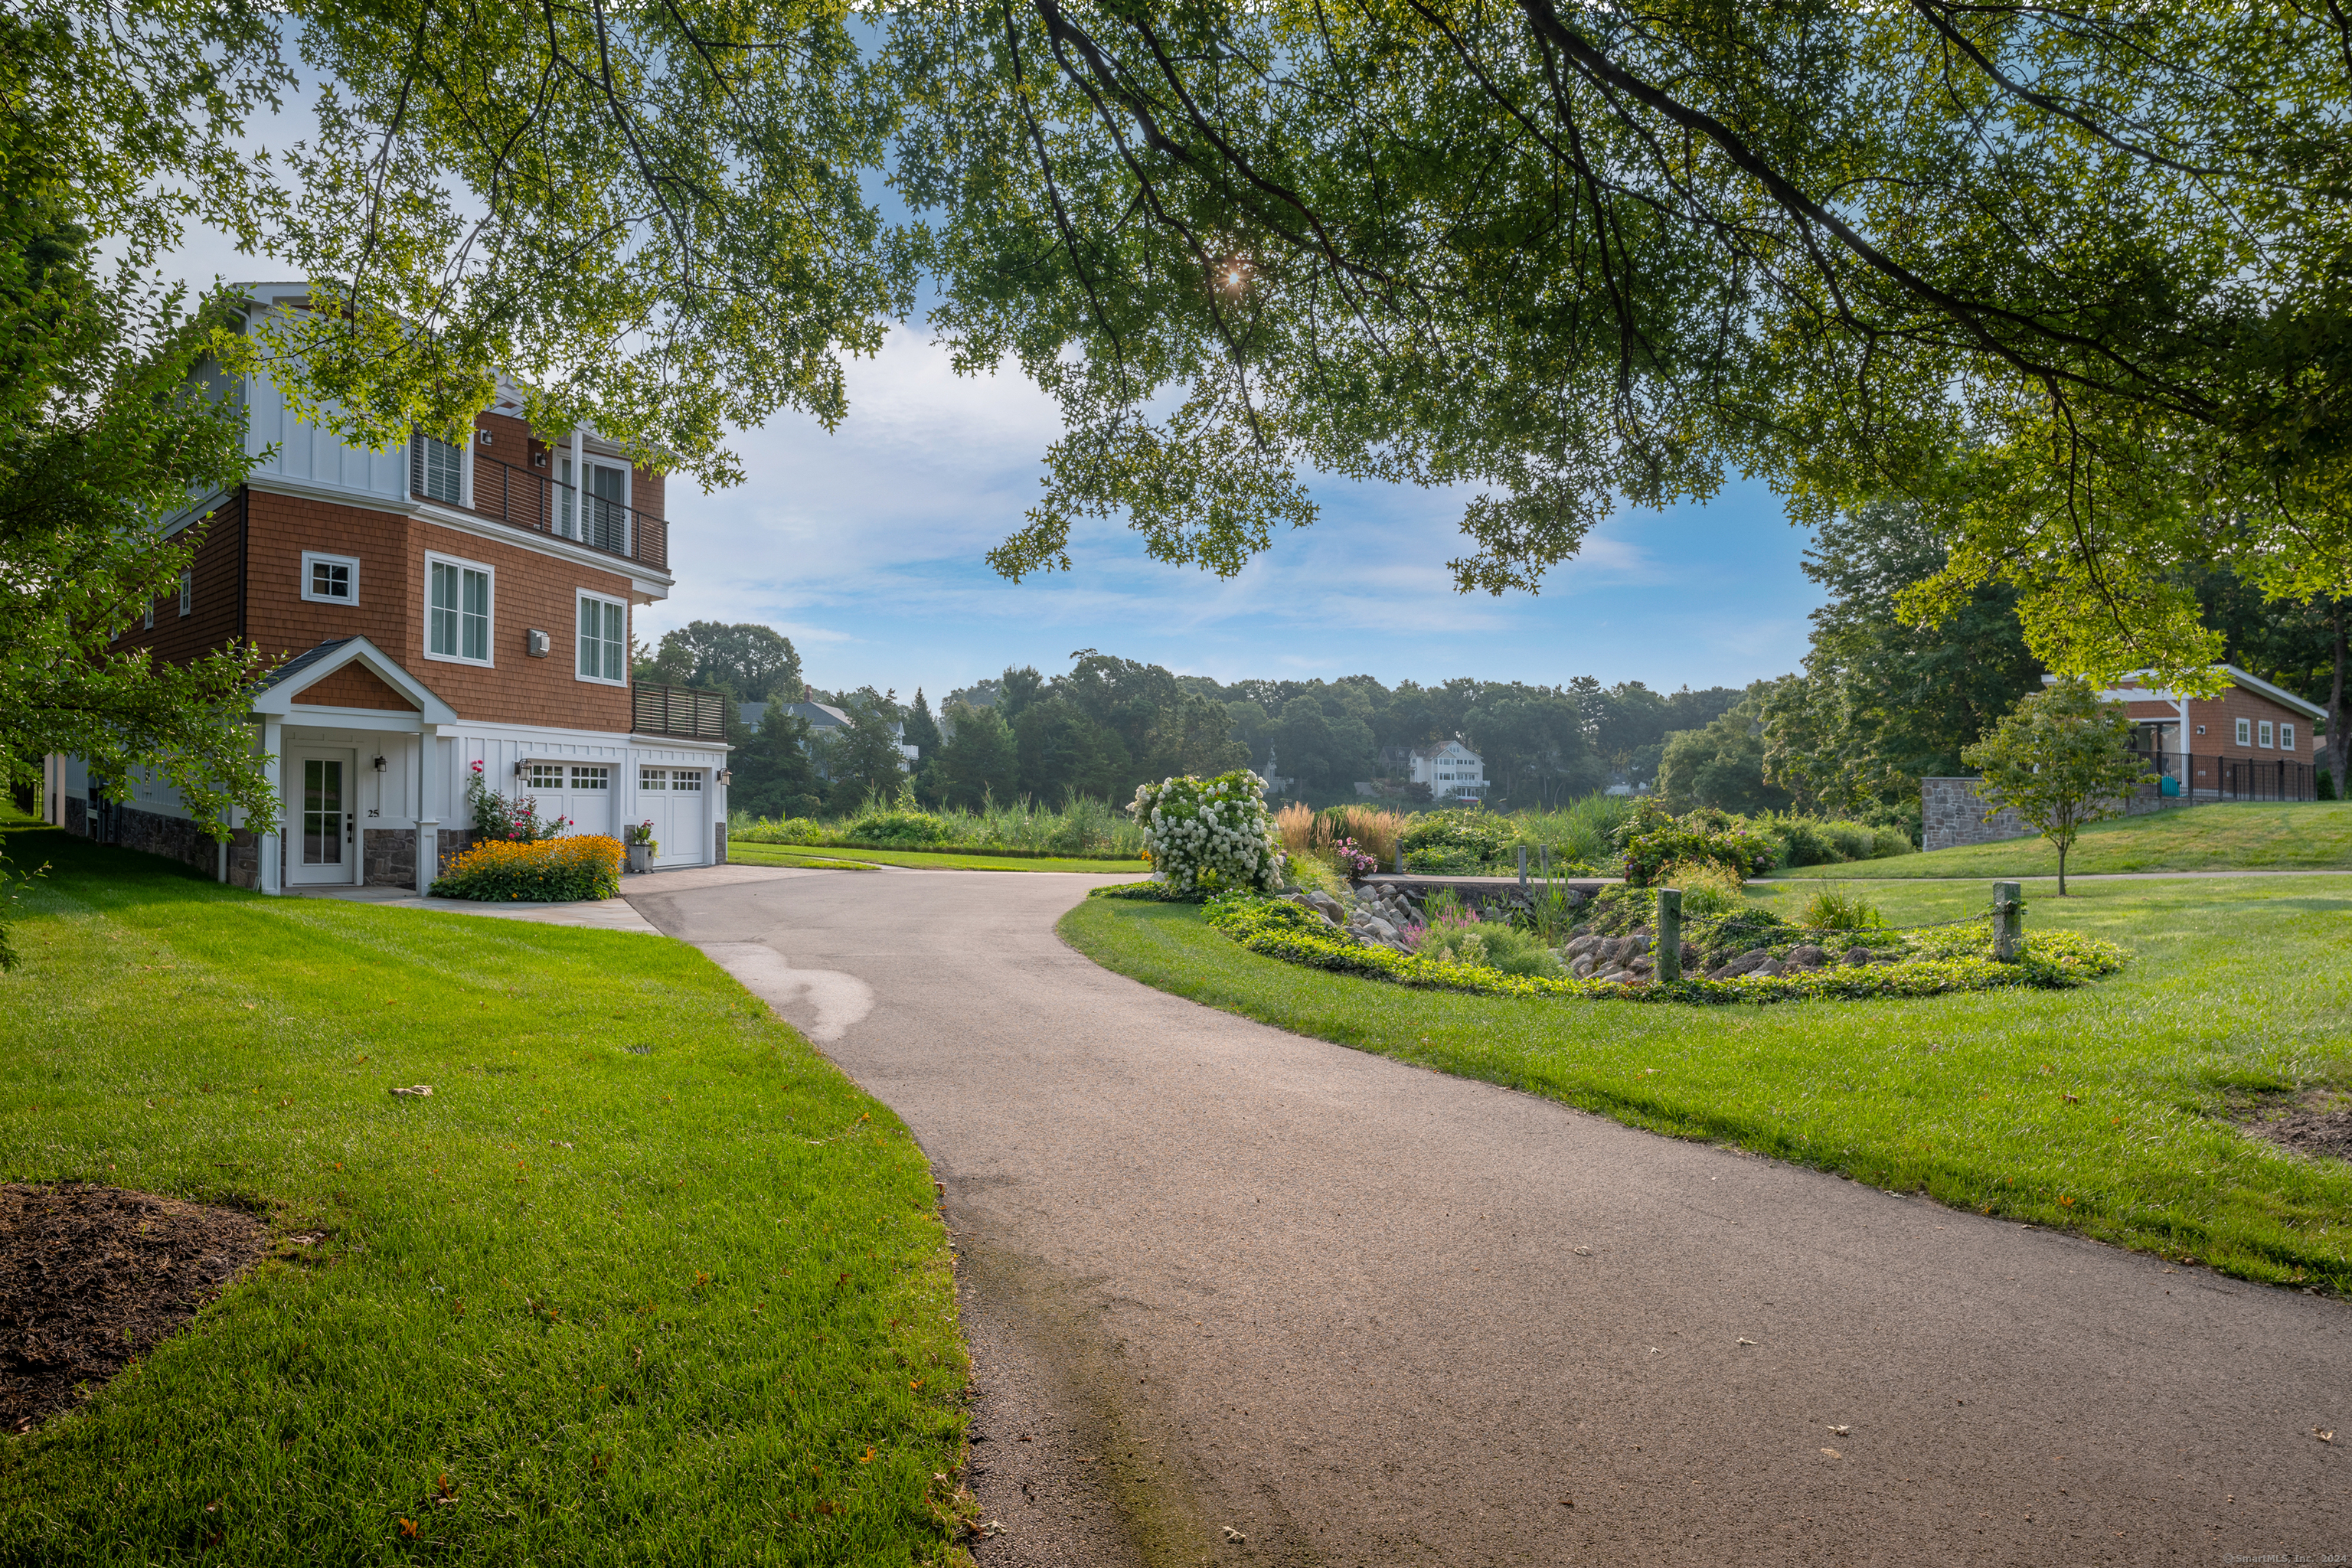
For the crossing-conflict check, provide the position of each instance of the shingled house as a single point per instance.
(438, 609)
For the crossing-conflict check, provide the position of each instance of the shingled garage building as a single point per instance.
(439, 609)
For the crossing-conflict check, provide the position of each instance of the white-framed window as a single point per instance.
(188, 591)
(682, 779)
(591, 778)
(437, 470)
(604, 640)
(543, 775)
(330, 579)
(653, 778)
(2245, 732)
(2268, 740)
(457, 609)
(2286, 737)
(151, 615)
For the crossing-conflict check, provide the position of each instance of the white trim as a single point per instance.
(490, 630)
(611, 601)
(321, 558)
(187, 590)
(2238, 678)
(2286, 737)
(2244, 733)
(276, 702)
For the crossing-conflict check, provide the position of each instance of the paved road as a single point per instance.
(1363, 1313)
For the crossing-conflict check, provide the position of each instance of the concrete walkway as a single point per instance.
(1223, 1278)
(596, 915)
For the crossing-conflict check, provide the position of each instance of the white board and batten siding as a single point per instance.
(602, 781)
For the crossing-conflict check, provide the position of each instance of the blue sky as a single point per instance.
(865, 547)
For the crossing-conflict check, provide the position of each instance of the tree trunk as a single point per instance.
(2061, 870)
(2338, 751)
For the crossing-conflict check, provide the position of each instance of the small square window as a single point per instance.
(2245, 732)
(330, 579)
(188, 592)
(653, 778)
(544, 775)
(591, 778)
(2267, 741)
(2286, 737)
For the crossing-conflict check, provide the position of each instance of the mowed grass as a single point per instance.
(2105, 1109)
(692, 1305)
(793, 855)
(2314, 836)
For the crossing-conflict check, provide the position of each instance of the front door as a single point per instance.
(321, 836)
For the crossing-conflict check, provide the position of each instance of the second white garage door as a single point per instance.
(673, 799)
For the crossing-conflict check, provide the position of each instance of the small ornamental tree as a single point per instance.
(1210, 835)
(2062, 758)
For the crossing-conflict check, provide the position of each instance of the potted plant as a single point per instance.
(642, 845)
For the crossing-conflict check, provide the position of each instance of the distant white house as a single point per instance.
(1453, 771)
(824, 722)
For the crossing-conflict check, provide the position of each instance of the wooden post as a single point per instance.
(2008, 922)
(1543, 861)
(1523, 867)
(1666, 947)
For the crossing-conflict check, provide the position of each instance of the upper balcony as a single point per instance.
(535, 503)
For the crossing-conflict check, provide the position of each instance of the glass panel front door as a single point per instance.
(323, 814)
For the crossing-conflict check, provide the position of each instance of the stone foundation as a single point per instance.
(173, 838)
(454, 842)
(718, 844)
(388, 856)
(77, 815)
(245, 859)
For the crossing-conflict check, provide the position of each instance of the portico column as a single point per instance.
(271, 839)
(428, 821)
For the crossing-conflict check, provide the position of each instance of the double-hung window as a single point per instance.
(437, 470)
(603, 639)
(2286, 737)
(2267, 740)
(188, 592)
(2245, 732)
(456, 610)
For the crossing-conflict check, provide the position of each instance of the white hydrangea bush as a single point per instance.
(1210, 835)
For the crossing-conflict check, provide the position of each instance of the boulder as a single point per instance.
(1806, 957)
(1769, 966)
(1578, 947)
(1582, 968)
(1857, 955)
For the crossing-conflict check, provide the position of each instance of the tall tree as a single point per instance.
(750, 662)
(980, 762)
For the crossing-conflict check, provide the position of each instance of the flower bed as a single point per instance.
(548, 870)
(1959, 959)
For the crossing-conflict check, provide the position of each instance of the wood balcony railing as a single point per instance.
(534, 501)
(686, 711)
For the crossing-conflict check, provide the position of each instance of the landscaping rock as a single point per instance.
(1584, 967)
(1769, 966)
(1578, 946)
(1859, 955)
(1806, 957)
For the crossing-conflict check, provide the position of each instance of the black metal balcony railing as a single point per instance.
(2195, 777)
(682, 711)
(529, 499)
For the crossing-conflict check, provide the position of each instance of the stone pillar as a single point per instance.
(1668, 946)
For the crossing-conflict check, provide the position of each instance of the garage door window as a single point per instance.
(653, 778)
(591, 778)
(545, 775)
(681, 779)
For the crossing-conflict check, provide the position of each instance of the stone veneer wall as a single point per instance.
(388, 856)
(1952, 814)
(718, 844)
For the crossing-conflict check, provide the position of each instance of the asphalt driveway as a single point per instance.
(1227, 1281)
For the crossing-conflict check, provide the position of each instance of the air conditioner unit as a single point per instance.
(537, 644)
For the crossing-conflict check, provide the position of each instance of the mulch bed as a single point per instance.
(91, 1278)
(2320, 1124)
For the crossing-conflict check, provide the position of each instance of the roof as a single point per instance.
(276, 691)
(301, 662)
(1439, 750)
(2242, 680)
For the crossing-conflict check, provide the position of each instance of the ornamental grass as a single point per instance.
(549, 870)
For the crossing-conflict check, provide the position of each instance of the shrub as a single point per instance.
(1472, 839)
(2325, 785)
(1653, 840)
(548, 870)
(1309, 875)
(1488, 944)
(1839, 909)
(1707, 889)
(1209, 834)
(890, 827)
(1444, 862)
(497, 817)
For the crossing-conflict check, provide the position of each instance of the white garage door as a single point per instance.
(582, 792)
(672, 800)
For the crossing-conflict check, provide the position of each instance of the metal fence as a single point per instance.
(2188, 777)
(528, 500)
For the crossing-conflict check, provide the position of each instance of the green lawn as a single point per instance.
(2311, 837)
(2102, 1110)
(646, 1278)
(803, 855)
